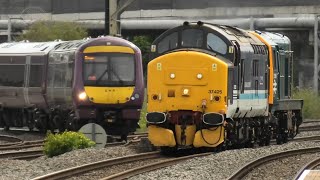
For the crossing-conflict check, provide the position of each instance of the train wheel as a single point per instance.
(168, 150)
(261, 142)
(124, 137)
(43, 125)
(6, 118)
(279, 139)
(267, 141)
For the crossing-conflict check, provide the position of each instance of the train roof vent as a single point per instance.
(44, 48)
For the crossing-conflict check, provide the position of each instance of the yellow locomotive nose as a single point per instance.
(180, 91)
(176, 82)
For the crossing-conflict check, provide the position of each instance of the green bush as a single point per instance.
(56, 144)
(311, 103)
(51, 30)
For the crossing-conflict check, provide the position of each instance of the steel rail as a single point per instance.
(307, 138)
(309, 128)
(10, 138)
(151, 167)
(311, 121)
(310, 165)
(21, 154)
(22, 145)
(246, 169)
(97, 165)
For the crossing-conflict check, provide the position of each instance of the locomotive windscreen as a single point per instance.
(109, 69)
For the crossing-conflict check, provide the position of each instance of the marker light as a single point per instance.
(199, 76)
(82, 96)
(172, 75)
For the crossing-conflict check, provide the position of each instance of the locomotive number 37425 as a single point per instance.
(212, 91)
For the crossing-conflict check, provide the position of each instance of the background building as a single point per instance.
(294, 18)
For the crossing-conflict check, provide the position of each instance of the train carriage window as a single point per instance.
(168, 43)
(50, 75)
(59, 75)
(12, 75)
(69, 74)
(192, 38)
(12, 70)
(215, 43)
(36, 71)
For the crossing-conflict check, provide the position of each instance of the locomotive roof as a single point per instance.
(27, 47)
(276, 39)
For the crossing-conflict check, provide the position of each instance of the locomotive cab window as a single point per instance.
(192, 38)
(215, 43)
(168, 43)
(113, 69)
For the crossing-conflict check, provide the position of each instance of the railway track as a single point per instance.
(22, 155)
(243, 171)
(98, 165)
(309, 128)
(10, 139)
(22, 145)
(310, 166)
(150, 167)
(162, 162)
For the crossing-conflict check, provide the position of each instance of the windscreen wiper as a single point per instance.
(104, 73)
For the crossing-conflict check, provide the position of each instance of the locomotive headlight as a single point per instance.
(82, 96)
(172, 75)
(199, 76)
(185, 92)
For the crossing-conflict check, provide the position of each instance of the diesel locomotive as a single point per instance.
(67, 84)
(217, 86)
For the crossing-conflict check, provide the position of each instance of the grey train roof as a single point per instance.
(27, 47)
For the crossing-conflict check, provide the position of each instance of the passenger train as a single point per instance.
(217, 86)
(67, 84)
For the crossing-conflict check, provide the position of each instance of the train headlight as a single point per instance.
(199, 76)
(185, 92)
(82, 96)
(172, 75)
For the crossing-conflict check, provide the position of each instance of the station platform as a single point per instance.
(310, 175)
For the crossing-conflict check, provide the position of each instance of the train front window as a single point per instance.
(112, 69)
(168, 43)
(215, 43)
(192, 38)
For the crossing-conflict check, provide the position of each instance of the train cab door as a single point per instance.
(276, 74)
(34, 80)
(288, 73)
(57, 81)
(284, 74)
(234, 81)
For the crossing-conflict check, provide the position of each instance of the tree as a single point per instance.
(51, 30)
(144, 43)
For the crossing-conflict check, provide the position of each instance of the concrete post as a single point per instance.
(251, 23)
(113, 24)
(316, 55)
(9, 30)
